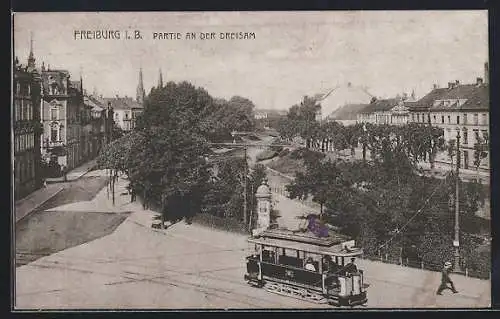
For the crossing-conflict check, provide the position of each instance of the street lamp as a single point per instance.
(456, 242)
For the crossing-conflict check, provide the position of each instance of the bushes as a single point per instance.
(267, 154)
(228, 223)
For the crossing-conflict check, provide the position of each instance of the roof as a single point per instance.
(307, 237)
(475, 97)
(348, 112)
(341, 96)
(93, 103)
(121, 103)
(382, 105)
(335, 250)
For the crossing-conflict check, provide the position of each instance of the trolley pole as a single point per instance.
(456, 242)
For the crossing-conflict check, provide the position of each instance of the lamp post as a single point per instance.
(456, 242)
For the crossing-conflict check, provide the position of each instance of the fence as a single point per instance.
(426, 265)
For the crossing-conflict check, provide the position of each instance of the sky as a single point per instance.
(293, 53)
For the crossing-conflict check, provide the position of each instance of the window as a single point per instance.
(29, 110)
(418, 118)
(21, 115)
(476, 119)
(53, 113)
(484, 120)
(449, 119)
(16, 110)
(465, 118)
(466, 136)
(442, 119)
(458, 119)
(53, 133)
(18, 88)
(434, 119)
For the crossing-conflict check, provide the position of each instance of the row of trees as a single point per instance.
(166, 156)
(420, 142)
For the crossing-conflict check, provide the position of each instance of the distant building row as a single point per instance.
(457, 107)
(57, 123)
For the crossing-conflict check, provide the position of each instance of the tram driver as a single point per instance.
(351, 267)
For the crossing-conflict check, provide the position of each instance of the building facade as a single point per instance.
(62, 110)
(393, 111)
(339, 97)
(125, 111)
(26, 128)
(458, 108)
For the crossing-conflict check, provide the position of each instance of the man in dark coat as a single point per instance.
(445, 279)
(351, 267)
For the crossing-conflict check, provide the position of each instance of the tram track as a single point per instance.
(171, 281)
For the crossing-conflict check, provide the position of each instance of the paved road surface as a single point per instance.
(189, 266)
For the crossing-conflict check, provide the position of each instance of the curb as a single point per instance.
(36, 207)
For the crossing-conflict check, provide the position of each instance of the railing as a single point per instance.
(426, 265)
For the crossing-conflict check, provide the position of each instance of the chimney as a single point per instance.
(450, 85)
(479, 81)
(435, 86)
(486, 73)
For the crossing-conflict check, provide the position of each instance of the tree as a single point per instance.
(322, 180)
(451, 149)
(385, 204)
(301, 121)
(169, 166)
(481, 149)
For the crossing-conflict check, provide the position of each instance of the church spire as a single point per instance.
(31, 57)
(140, 89)
(160, 80)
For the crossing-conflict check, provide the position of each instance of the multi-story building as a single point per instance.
(125, 111)
(62, 110)
(26, 128)
(339, 97)
(458, 108)
(394, 111)
(97, 130)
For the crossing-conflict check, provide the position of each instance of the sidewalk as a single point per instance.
(75, 173)
(25, 206)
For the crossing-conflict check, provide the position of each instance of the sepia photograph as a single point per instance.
(250, 160)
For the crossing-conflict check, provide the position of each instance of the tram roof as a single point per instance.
(335, 250)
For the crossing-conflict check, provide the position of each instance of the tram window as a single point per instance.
(289, 257)
(268, 256)
(288, 252)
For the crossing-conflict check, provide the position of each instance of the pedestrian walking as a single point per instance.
(445, 279)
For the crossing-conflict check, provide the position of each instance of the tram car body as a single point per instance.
(279, 265)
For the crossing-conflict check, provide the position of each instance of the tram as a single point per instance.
(319, 270)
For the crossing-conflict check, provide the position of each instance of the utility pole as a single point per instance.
(245, 189)
(456, 242)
